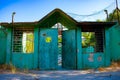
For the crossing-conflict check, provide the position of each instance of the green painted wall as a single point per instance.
(9, 46)
(93, 60)
(31, 61)
(98, 59)
(115, 42)
(107, 47)
(36, 47)
(3, 36)
(22, 60)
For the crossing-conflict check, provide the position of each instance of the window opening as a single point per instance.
(92, 41)
(23, 40)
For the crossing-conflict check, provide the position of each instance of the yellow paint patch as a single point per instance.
(48, 39)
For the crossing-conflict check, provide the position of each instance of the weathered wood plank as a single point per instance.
(69, 56)
(48, 49)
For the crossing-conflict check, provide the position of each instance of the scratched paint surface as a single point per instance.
(93, 60)
(48, 49)
(22, 60)
(69, 49)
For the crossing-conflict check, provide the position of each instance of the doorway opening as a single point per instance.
(60, 28)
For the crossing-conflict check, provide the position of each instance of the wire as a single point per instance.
(96, 13)
(93, 13)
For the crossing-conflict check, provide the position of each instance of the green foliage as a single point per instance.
(114, 15)
(88, 39)
(59, 39)
(30, 43)
(99, 20)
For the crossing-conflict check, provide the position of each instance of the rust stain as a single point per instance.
(90, 58)
(99, 58)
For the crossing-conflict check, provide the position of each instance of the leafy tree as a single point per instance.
(99, 20)
(114, 15)
(30, 43)
(88, 39)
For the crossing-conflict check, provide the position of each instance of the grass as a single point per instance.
(13, 68)
(10, 67)
(115, 66)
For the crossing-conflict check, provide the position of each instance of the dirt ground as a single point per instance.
(61, 75)
(110, 73)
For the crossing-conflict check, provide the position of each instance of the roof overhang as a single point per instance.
(93, 26)
(96, 24)
(16, 24)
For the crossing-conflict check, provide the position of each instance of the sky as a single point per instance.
(34, 10)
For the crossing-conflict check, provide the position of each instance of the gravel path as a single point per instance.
(61, 75)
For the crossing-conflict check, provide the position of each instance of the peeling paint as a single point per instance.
(90, 58)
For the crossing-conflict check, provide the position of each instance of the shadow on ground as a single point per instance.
(61, 75)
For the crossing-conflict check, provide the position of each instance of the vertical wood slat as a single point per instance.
(36, 47)
(9, 46)
(79, 49)
(69, 55)
(107, 48)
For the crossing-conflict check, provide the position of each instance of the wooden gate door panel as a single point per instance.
(69, 49)
(48, 49)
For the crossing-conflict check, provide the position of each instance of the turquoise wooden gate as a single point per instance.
(48, 49)
(69, 60)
